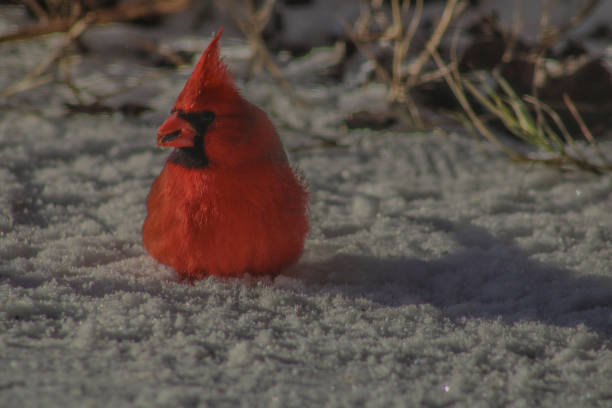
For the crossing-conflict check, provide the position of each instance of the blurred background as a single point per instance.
(538, 72)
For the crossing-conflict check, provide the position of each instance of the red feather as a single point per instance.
(238, 207)
(210, 75)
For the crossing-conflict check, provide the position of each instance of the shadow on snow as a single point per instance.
(489, 278)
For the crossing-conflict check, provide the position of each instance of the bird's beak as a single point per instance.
(176, 132)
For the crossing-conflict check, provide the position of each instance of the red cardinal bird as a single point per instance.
(227, 201)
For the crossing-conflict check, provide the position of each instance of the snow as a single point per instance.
(436, 272)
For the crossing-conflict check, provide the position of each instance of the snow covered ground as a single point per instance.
(436, 272)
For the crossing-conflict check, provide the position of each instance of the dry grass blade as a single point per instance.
(512, 111)
(453, 80)
(398, 79)
(551, 36)
(381, 72)
(122, 12)
(414, 24)
(32, 79)
(262, 15)
(432, 76)
(554, 116)
(514, 114)
(396, 34)
(36, 8)
(397, 90)
(585, 129)
(452, 10)
(252, 26)
(26, 84)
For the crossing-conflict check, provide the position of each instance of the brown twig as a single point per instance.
(122, 12)
(168, 56)
(37, 9)
(426, 77)
(512, 37)
(252, 27)
(397, 89)
(398, 81)
(548, 36)
(381, 72)
(452, 9)
(453, 80)
(553, 35)
(33, 78)
(553, 115)
(585, 129)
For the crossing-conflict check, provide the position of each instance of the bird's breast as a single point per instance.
(226, 222)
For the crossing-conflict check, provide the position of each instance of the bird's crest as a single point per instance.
(210, 74)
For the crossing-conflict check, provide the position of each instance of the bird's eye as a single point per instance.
(208, 115)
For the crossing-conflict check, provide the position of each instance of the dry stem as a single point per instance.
(452, 10)
(121, 12)
(553, 35)
(400, 82)
(584, 128)
(33, 78)
(453, 80)
(252, 26)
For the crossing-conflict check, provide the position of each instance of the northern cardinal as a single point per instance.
(227, 202)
